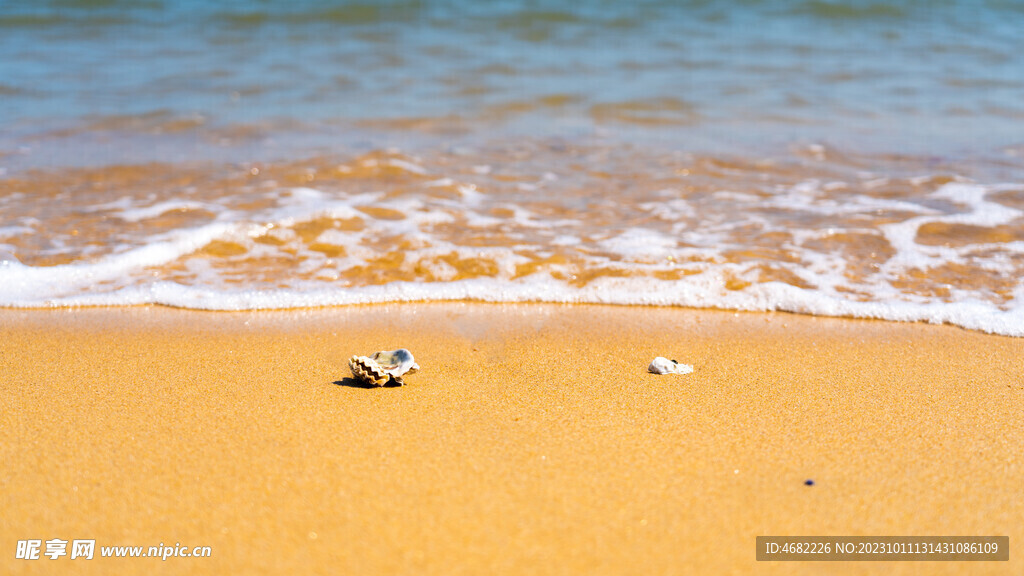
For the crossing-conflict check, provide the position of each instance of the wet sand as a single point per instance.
(532, 441)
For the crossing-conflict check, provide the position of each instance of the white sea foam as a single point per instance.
(161, 208)
(8, 231)
(640, 244)
(705, 292)
(407, 166)
(979, 212)
(689, 238)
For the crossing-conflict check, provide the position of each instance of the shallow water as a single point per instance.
(857, 159)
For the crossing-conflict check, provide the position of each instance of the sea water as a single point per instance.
(852, 158)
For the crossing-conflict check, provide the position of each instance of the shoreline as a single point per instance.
(531, 440)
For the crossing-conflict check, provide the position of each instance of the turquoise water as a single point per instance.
(838, 158)
(922, 77)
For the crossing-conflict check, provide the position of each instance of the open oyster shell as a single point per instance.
(383, 367)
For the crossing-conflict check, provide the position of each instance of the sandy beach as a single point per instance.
(532, 441)
(207, 208)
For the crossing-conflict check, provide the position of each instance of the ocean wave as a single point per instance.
(697, 232)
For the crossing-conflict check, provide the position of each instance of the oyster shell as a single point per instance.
(661, 365)
(383, 367)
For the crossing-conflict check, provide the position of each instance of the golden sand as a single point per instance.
(532, 440)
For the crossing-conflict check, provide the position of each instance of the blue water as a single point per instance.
(922, 77)
(858, 158)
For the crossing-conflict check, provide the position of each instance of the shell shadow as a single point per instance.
(353, 383)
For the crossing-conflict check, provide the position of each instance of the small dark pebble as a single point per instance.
(808, 482)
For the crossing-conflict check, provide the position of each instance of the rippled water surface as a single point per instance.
(854, 158)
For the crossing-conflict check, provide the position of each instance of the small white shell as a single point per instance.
(661, 365)
(383, 366)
